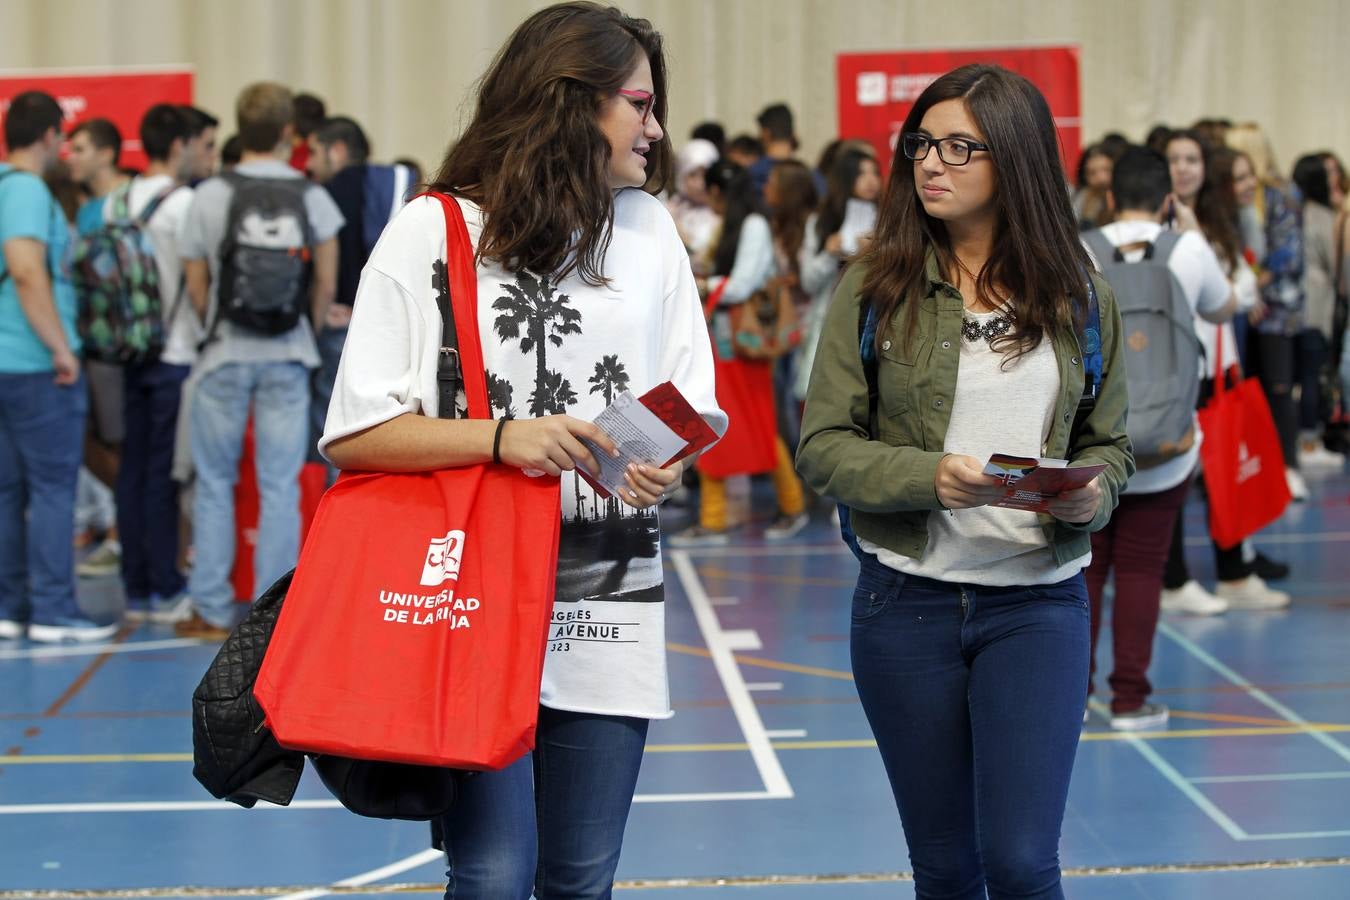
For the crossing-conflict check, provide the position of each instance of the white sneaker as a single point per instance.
(105, 560)
(11, 629)
(77, 630)
(1193, 599)
(171, 610)
(1146, 718)
(1252, 593)
(1298, 488)
(786, 527)
(1317, 456)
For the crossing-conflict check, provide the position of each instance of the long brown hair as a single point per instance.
(796, 189)
(534, 157)
(1036, 255)
(1216, 207)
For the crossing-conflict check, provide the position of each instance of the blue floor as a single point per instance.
(767, 774)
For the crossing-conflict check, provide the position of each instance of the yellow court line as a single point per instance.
(765, 663)
(1231, 719)
(94, 758)
(736, 747)
(774, 578)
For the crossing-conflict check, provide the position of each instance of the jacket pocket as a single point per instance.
(895, 373)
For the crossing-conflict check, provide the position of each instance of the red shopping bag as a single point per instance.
(414, 630)
(1242, 459)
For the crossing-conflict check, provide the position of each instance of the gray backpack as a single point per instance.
(1162, 352)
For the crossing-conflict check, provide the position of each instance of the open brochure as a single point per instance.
(658, 428)
(1032, 483)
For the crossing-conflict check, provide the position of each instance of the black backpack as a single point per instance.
(265, 258)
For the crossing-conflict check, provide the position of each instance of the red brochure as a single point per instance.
(658, 428)
(1032, 483)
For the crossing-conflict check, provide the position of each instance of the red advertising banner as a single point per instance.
(120, 95)
(877, 90)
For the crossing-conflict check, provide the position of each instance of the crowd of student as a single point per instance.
(247, 285)
(761, 228)
(254, 275)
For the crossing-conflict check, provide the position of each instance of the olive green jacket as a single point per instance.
(888, 479)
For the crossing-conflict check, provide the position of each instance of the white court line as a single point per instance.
(1167, 771)
(36, 809)
(99, 649)
(706, 798)
(787, 733)
(764, 686)
(1206, 805)
(1252, 690)
(412, 862)
(153, 806)
(776, 785)
(1278, 776)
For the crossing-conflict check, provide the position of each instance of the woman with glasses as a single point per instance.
(584, 293)
(963, 331)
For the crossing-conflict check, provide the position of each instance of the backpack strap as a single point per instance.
(149, 210)
(5, 274)
(1090, 355)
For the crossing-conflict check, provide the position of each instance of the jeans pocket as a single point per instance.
(1070, 592)
(873, 595)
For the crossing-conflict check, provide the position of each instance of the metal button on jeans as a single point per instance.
(885, 345)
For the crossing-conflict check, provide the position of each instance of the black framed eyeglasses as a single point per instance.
(953, 151)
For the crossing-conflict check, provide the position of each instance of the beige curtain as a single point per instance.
(405, 68)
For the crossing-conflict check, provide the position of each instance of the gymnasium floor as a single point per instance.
(765, 785)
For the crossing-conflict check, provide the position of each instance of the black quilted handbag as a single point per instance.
(236, 758)
(234, 755)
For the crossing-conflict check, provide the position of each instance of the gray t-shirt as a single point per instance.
(203, 233)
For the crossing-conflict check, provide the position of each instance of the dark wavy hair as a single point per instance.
(1036, 256)
(797, 199)
(839, 180)
(1216, 203)
(534, 157)
(738, 190)
(1310, 175)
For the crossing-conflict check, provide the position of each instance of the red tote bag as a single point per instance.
(414, 630)
(1242, 459)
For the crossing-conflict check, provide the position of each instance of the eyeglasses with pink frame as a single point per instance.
(646, 102)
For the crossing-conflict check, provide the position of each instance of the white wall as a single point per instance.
(404, 68)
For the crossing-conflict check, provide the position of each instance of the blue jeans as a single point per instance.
(976, 698)
(330, 342)
(277, 393)
(553, 821)
(41, 448)
(147, 495)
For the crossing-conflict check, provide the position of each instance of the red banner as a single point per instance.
(877, 90)
(119, 95)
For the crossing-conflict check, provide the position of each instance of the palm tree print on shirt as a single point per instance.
(536, 314)
(500, 394)
(610, 378)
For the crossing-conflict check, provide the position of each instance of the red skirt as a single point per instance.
(745, 393)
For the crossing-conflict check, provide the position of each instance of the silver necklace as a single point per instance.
(991, 330)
